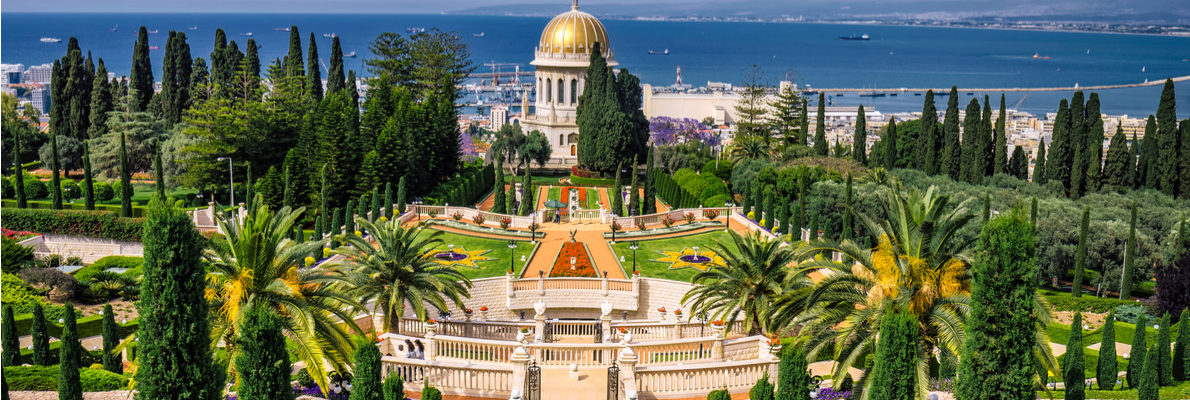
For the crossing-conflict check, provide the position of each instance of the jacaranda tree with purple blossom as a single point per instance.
(667, 130)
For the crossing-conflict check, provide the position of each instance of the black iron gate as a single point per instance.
(613, 382)
(533, 382)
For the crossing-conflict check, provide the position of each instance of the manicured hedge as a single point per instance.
(100, 224)
(132, 263)
(576, 180)
(87, 326)
(137, 210)
(45, 378)
(1087, 303)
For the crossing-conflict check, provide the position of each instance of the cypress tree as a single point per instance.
(650, 199)
(366, 383)
(510, 200)
(351, 89)
(313, 72)
(252, 64)
(40, 337)
(125, 179)
(335, 80)
(263, 362)
(972, 168)
(174, 352)
(498, 199)
(927, 140)
(70, 385)
(745, 202)
(1184, 159)
(1078, 142)
(348, 213)
(821, 147)
(1136, 363)
(527, 203)
(394, 388)
(793, 380)
(1080, 255)
(1073, 374)
(1181, 348)
(1018, 166)
(1039, 174)
(894, 373)
(1167, 144)
(88, 178)
(111, 339)
(141, 78)
(762, 390)
(757, 202)
(388, 200)
(1129, 258)
(361, 208)
(288, 197)
(1061, 149)
(293, 59)
(1149, 382)
(767, 207)
(802, 190)
(159, 172)
(859, 150)
(1033, 213)
(847, 210)
(1108, 370)
(55, 166)
(616, 192)
(375, 210)
(1117, 170)
(18, 169)
(401, 195)
(337, 221)
(805, 119)
(997, 361)
(1093, 154)
(890, 148)
(10, 340)
(1146, 166)
(950, 162)
(1165, 364)
(634, 197)
(1000, 141)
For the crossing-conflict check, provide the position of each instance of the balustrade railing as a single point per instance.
(470, 378)
(669, 352)
(699, 378)
(476, 350)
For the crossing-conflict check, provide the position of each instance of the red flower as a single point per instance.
(717, 322)
(582, 262)
(661, 309)
(483, 308)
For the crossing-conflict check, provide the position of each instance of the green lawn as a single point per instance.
(539, 180)
(650, 250)
(555, 193)
(497, 254)
(1060, 333)
(1179, 391)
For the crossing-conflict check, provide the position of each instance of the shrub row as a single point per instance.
(468, 187)
(1066, 302)
(137, 210)
(45, 378)
(87, 326)
(101, 224)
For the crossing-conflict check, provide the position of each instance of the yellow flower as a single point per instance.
(459, 256)
(689, 258)
(309, 261)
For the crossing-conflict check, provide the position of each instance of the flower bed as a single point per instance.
(582, 262)
(17, 235)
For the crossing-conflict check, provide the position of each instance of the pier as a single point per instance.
(1039, 89)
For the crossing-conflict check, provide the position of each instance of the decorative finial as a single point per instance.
(573, 4)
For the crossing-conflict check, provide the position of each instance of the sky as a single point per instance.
(1170, 11)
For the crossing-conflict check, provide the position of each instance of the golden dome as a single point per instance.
(573, 32)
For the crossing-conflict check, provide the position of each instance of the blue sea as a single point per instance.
(896, 56)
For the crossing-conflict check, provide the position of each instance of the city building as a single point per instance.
(38, 74)
(499, 117)
(561, 59)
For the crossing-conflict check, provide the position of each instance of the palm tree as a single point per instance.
(919, 263)
(255, 264)
(391, 268)
(749, 148)
(756, 273)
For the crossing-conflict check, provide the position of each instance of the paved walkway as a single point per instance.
(112, 395)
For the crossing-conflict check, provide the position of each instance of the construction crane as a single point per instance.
(1017, 106)
(497, 72)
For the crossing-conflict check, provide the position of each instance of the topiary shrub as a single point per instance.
(716, 201)
(721, 394)
(45, 378)
(1130, 312)
(71, 189)
(35, 188)
(103, 191)
(431, 393)
(304, 379)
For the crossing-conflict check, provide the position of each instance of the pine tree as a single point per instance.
(1000, 144)
(173, 312)
(1080, 255)
(1149, 381)
(927, 140)
(1146, 166)
(335, 81)
(1164, 362)
(111, 360)
(1136, 364)
(1073, 374)
(786, 113)
(1118, 169)
(141, 78)
(262, 362)
(997, 352)
(1181, 348)
(401, 195)
(1108, 370)
(951, 162)
(859, 150)
(70, 386)
(890, 147)
(388, 200)
(616, 192)
(793, 381)
(125, 179)
(10, 340)
(40, 337)
(313, 72)
(1167, 144)
(366, 383)
(894, 373)
(1039, 174)
(821, 147)
(650, 198)
(1129, 258)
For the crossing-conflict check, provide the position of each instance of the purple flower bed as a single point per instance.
(831, 394)
(666, 130)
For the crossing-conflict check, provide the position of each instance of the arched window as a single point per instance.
(560, 142)
(573, 91)
(549, 90)
(561, 96)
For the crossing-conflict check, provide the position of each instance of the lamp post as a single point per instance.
(511, 257)
(230, 180)
(634, 246)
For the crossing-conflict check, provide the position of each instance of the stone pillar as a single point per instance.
(520, 362)
(604, 282)
(628, 362)
(677, 327)
(539, 321)
(508, 290)
(774, 358)
(431, 349)
(605, 321)
(717, 345)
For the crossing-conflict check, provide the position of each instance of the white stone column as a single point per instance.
(539, 321)
(774, 362)
(520, 361)
(508, 291)
(717, 346)
(431, 349)
(628, 360)
(605, 321)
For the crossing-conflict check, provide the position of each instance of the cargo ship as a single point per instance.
(853, 37)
